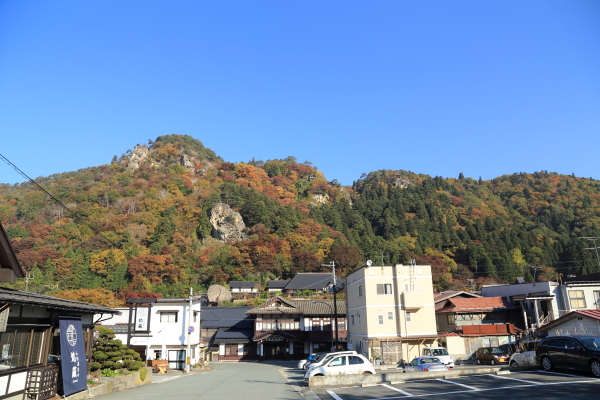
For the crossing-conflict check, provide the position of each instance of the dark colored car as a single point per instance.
(575, 352)
(492, 355)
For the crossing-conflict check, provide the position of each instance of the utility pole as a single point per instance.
(27, 278)
(593, 239)
(332, 266)
(189, 335)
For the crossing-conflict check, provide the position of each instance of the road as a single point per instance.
(235, 380)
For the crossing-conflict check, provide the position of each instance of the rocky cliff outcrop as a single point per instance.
(227, 224)
(139, 154)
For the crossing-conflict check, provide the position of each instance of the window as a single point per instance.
(380, 319)
(408, 317)
(384, 288)
(360, 291)
(358, 315)
(231, 350)
(338, 362)
(352, 319)
(14, 345)
(597, 298)
(355, 360)
(577, 299)
(451, 319)
(407, 286)
(168, 317)
(196, 316)
(390, 315)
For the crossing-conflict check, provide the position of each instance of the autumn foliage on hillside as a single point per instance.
(147, 230)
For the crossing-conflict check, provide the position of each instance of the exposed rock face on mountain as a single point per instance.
(227, 224)
(139, 154)
(321, 198)
(403, 182)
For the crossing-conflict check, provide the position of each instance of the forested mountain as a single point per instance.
(141, 223)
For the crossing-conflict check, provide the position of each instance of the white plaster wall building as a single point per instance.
(164, 334)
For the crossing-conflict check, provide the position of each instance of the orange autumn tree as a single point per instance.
(100, 297)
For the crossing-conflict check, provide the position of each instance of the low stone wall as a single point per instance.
(373, 379)
(114, 385)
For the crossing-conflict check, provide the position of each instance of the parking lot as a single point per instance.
(515, 385)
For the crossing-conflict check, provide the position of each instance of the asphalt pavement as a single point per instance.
(227, 380)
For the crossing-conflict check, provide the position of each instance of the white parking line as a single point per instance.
(167, 379)
(558, 373)
(515, 379)
(398, 390)
(456, 383)
(335, 396)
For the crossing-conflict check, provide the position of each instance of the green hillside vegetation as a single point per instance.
(147, 229)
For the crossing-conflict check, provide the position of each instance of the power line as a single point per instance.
(79, 218)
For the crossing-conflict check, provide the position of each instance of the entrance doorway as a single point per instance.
(275, 350)
(177, 359)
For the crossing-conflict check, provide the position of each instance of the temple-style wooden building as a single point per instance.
(292, 329)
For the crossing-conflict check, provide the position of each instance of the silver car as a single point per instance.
(426, 364)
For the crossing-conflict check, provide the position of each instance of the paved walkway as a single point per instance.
(239, 380)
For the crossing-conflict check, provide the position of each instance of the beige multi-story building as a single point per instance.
(391, 311)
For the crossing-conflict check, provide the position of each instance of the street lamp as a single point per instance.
(330, 318)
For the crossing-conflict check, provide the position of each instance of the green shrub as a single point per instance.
(107, 365)
(95, 366)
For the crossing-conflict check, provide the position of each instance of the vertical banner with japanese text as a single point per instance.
(72, 355)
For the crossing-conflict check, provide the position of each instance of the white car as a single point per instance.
(344, 364)
(441, 353)
(524, 359)
(321, 360)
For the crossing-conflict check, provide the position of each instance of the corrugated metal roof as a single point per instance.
(437, 297)
(274, 284)
(226, 317)
(228, 335)
(310, 280)
(458, 304)
(241, 284)
(27, 298)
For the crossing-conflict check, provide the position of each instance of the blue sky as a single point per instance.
(438, 87)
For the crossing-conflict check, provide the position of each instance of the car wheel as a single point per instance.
(478, 361)
(493, 362)
(547, 363)
(514, 364)
(319, 375)
(595, 367)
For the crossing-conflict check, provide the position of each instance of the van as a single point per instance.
(440, 353)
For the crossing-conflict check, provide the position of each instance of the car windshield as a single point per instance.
(590, 343)
(439, 352)
(319, 357)
(496, 350)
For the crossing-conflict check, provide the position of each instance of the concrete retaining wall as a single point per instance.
(114, 385)
(351, 380)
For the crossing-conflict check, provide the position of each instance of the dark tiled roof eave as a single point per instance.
(27, 298)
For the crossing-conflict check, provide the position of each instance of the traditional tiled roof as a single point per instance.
(295, 335)
(310, 280)
(280, 305)
(12, 296)
(119, 328)
(458, 304)
(274, 284)
(242, 284)
(226, 317)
